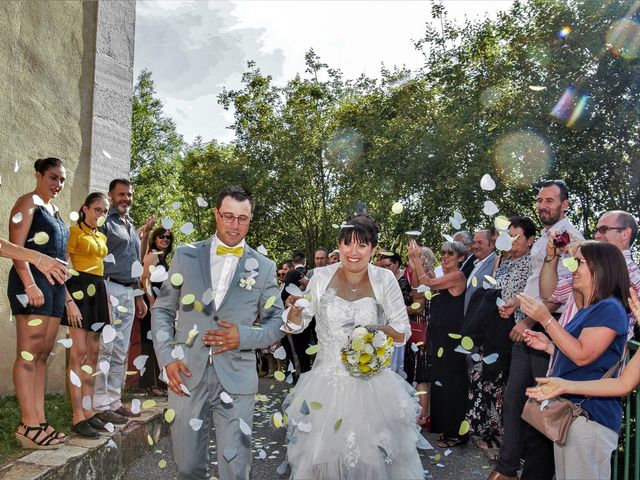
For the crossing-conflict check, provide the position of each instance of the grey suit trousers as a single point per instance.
(191, 447)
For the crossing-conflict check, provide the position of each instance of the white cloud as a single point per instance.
(195, 48)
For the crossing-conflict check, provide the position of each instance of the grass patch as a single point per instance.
(58, 411)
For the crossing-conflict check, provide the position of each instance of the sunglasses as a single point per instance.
(164, 237)
(447, 252)
(605, 228)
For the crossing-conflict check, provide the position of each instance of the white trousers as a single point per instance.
(587, 453)
(108, 389)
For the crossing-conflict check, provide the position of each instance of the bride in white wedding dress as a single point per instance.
(342, 427)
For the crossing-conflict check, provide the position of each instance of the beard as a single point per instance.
(550, 217)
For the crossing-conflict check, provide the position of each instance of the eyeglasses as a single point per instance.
(447, 252)
(100, 211)
(228, 217)
(164, 237)
(605, 228)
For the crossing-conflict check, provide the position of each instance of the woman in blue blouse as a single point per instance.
(585, 349)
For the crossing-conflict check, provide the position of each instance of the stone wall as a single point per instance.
(59, 97)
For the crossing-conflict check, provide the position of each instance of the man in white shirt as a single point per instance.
(521, 440)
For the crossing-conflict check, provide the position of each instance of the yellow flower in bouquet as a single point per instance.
(368, 352)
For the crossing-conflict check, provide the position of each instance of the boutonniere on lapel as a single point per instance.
(248, 279)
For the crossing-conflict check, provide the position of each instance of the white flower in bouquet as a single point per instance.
(379, 339)
(353, 358)
(368, 348)
(359, 332)
(357, 344)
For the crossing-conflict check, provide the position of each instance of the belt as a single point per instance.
(131, 285)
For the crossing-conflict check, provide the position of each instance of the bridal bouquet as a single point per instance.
(368, 352)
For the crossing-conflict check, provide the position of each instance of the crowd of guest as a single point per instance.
(487, 325)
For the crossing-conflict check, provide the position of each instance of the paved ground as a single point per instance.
(461, 463)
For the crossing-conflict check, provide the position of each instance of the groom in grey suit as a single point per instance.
(204, 336)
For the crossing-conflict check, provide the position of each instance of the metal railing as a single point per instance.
(628, 443)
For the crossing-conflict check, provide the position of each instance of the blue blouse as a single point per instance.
(609, 313)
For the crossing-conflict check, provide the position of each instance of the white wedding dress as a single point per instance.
(346, 428)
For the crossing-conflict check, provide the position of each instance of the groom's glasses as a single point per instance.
(228, 217)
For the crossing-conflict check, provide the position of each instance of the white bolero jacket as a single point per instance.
(385, 289)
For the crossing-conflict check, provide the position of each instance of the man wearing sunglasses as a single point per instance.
(215, 292)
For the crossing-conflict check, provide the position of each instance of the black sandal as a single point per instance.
(61, 437)
(47, 442)
(450, 442)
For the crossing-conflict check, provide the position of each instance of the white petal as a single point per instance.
(504, 241)
(108, 334)
(140, 361)
(136, 269)
(490, 208)
(244, 427)
(262, 250)
(202, 202)
(487, 183)
(66, 342)
(251, 264)
(195, 423)
(109, 259)
(187, 228)
(168, 223)
(158, 275)
(280, 353)
(75, 379)
(226, 398)
(177, 352)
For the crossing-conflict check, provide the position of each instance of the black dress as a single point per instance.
(448, 375)
(150, 377)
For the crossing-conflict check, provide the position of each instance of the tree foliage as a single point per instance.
(511, 96)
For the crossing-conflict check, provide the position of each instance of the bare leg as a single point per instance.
(76, 359)
(27, 376)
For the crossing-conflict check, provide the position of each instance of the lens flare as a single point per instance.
(523, 157)
(346, 146)
(623, 38)
(564, 31)
(570, 107)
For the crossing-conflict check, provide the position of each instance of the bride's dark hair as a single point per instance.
(359, 228)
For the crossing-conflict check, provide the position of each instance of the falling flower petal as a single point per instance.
(177, 352)
(104, 366)
(226, 398)
(464, 428)
(109, 258)
(315, 405)
(536, 88)
(86, 402)
(313, 349)
(148, 404)
(91, 290)
(440, 352)
(229, 453)
(280, 353)
(162, 463)
(159, 274)
(504, 241)
(167, 223)
(187, 228)
(501, 223)
(262, 250)
(570, 264)
(34, 322)
(490, 208)
(202, 202)
(270, 301)
(169, 415)
(41, 238)
(305, 427)
(500, 302)
(467, 343)
(27, 356)
(188, 299)
(413, 233)
(108, 334)
(474, 282)
(66, 342)
(135, 405)
(136, 269)
(397, 208)
(23, 299)
(487, 183)
(177, 279)
(278, 375)
(184, 388)
(195, 424)
(87, 369)
(74, 216)
(109, 427)
(74, 378)
(244, 427)
(489, 359)
(17, 218)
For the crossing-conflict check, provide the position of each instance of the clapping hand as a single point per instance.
(548, 387)
(538, 341)
(533, 308)
(414, 252)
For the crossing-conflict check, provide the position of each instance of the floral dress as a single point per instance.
(489, 374)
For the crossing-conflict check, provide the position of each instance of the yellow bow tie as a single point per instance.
(222, 250)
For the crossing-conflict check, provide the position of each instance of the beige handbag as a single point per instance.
(554, 417)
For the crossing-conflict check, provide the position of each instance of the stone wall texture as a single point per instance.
(65, 91)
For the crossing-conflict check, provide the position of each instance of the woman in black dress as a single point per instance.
(37, 304)
(160, 247)
(448, 375)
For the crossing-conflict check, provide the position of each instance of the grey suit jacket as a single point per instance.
(485, 269)
(236, 369)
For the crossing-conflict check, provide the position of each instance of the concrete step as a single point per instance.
(104, 458)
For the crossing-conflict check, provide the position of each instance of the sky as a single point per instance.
(195, 48)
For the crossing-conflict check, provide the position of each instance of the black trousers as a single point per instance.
(302, 341)
(520, 439)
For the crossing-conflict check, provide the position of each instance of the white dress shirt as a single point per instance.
(223, 267)
(539, 252)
